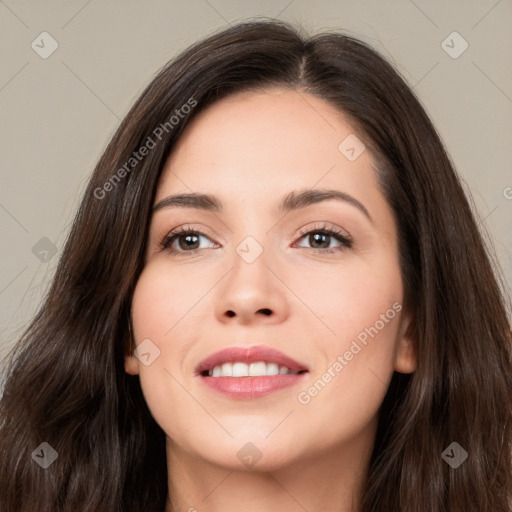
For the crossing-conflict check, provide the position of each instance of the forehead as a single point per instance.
(252, 146)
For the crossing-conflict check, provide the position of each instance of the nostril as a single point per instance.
(266, 311)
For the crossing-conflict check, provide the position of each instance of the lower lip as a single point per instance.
(248, 388)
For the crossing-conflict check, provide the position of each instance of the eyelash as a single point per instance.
(345, 240)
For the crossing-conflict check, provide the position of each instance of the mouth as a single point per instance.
(248, 373)
(258, 369)
(256, 361)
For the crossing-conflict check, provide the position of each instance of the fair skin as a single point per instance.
(250, 150)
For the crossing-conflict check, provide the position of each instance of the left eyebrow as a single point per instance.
(301, 199)
(293, 201)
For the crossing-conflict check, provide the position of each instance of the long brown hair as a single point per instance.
(66, 383)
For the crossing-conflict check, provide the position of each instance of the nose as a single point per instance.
(252, 293)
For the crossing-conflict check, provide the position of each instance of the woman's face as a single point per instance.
(255, 274)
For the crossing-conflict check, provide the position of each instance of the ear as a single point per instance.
(406, 360)
(131, 363)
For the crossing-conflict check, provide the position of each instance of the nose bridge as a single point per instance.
(250, 273)
(252, 240)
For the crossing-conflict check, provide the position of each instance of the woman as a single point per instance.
(335, 339)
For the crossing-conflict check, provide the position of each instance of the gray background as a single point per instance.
(58, 113)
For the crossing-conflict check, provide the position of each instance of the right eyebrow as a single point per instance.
(199, 201)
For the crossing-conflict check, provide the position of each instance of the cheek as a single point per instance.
(162, 308)
(162, 298)
(352, 297)
(360, 307)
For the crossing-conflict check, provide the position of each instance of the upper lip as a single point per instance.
(249, 355)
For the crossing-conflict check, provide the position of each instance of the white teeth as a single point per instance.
(240, 370)
(258, 369)
(226, 370)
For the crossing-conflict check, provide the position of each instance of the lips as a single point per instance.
(248, 355)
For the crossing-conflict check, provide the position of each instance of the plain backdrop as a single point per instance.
(58, 110)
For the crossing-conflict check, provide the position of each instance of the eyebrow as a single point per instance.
(295, 200)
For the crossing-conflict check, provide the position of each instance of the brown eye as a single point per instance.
(188, 241)
(321, 239)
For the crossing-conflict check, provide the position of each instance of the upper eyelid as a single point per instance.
(325, 226)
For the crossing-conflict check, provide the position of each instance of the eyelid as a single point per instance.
(324, 226)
